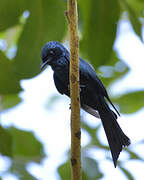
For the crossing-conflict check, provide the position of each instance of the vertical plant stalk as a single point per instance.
(0, 107)
(72, 16)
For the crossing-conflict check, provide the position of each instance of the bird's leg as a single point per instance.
(70, 106)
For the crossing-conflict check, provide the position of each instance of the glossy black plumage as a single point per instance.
(92, 93)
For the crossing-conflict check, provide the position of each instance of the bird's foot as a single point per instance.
(70, 106)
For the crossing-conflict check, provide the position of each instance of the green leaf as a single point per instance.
(5, 142)
(65, 171)
(9, 101)
(8, 81)
(134, 19)
(10, 12)
(137, 6)
(127, 173)
(46, 23)
(93, 132)
(26, 146)
(133, 155)
(100, 19)
(18, 168)
(12, 35)
(91, 169)
(130, 102)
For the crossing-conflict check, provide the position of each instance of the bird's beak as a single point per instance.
(45, 63)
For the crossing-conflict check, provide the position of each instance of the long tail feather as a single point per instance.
(113, 105)
(115, 136)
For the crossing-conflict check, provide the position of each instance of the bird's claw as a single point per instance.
(69, 106)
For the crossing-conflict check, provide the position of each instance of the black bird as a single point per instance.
(93, 94)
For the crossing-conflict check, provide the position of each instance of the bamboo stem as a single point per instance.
(72, 16)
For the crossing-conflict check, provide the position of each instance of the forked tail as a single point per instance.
(115, 136)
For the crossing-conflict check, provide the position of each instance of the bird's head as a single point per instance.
(51, 52)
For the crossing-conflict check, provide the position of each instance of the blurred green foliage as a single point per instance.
(27, 25)
(21, 147)
(99, 29)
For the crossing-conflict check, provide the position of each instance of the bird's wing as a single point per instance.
(89, 74)
(90, 77)
(60, 86)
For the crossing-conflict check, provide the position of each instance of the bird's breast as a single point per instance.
(61, 69)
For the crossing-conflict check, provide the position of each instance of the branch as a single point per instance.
(72, 16)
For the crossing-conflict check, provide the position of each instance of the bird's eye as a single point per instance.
(51, 52)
